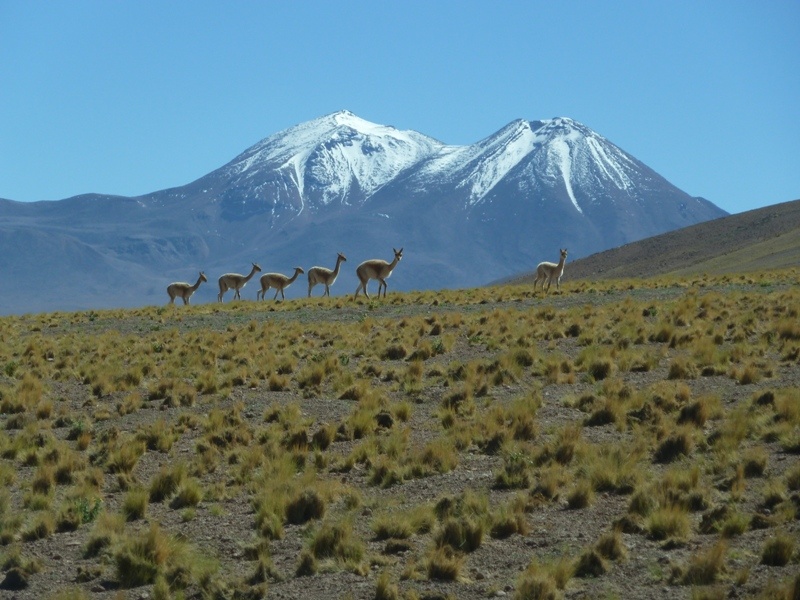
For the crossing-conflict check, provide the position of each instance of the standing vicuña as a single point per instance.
(549, 271)
(376, 269)
(322, 275)
(278, 281)
(183, 290)
(235, 281)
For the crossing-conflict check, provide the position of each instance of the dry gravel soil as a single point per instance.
(224, 528)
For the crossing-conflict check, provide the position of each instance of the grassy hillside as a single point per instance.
(766, 238)
(779, 252)
(617, 439)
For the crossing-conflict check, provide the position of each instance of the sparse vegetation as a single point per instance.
(227, 450)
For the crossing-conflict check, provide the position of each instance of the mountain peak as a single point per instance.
(349, 119)
(345, 118)
(339, 157)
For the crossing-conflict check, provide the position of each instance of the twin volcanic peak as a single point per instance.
(341, 158)
(465, 215)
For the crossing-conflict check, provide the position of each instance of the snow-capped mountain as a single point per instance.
(338, 158)
(466, 215)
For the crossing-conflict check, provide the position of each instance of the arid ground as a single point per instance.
(618, 439)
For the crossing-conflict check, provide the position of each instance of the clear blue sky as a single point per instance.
(133, 97)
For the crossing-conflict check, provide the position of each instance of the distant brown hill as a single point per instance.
(765, 238)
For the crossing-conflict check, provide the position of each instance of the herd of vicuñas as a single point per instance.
(367, 270)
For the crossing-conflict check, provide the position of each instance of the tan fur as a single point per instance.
(183, 290)
(235, 281)
(549, 271)
(325, 276)
(278, 281)
(376, 269)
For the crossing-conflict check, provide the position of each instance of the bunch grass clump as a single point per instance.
(142, 559)
(339, 542)
(669, 522)
(706, 566)
(778, 551)
(444, 564)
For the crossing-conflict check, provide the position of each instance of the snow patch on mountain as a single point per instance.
(336, 155)
(480, 167)
(505, 152)
(564, 150)
(563, 165)
(612, 169)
